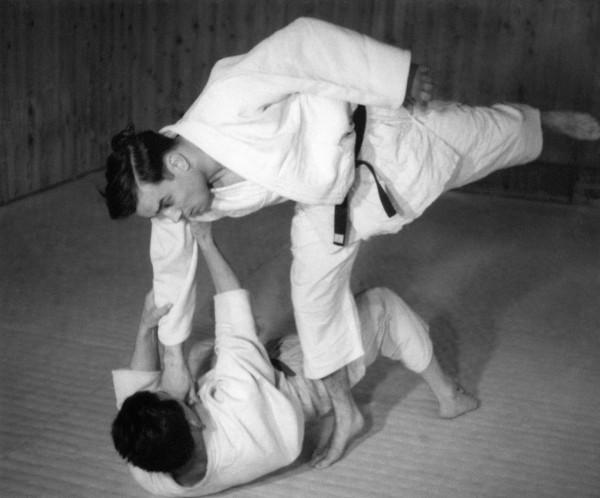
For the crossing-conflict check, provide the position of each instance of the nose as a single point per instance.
(174, 214)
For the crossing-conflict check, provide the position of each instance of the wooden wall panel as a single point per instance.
(76, 71)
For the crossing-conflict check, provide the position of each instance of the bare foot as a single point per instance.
(577, 125)
(348, 421)
(457, 403)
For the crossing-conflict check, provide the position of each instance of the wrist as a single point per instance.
(205, 242)
(146, 329)
(173, 354)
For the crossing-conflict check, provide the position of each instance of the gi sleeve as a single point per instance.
(315, 57)
(240, 355)
(266, 428)
(174, 256)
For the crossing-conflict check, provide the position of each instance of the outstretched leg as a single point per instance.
(348, 421)
(577, 125)
(489, 139)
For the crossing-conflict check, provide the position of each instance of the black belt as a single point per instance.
(282, 367)
(340, 221)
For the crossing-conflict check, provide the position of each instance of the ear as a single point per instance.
(176, 162)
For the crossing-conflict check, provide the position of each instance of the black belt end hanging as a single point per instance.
(340, 223)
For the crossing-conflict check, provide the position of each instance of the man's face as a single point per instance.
(183, 194)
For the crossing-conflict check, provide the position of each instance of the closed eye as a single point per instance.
(164, 204)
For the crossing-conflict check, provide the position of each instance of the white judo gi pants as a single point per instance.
(447, 147)
(389, 327)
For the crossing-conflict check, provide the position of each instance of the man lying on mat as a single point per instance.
(246, 414)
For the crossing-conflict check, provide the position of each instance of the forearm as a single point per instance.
(173, 359)
(145, 355)
(223, 277)
(176, 379)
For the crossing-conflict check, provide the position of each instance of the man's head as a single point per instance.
(155, 432)
(154, 175)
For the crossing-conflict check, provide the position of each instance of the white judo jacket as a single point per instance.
(280, 116)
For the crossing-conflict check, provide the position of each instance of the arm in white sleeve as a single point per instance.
(315, 57)
(240, 354)
(269, 427)
(174, 256)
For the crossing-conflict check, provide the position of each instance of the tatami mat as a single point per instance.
(511, 290)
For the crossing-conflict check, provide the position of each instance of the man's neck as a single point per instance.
(216, 174)
(224, 177)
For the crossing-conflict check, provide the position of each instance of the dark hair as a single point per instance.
(143, 151)
(152, 433)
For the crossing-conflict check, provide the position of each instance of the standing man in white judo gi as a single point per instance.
(275, 124)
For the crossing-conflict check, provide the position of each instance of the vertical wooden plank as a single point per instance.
(155, 54)
(300, 8)
(49, 164)
(56, 128)
(205, 40)
(115, 50)
(172, 45)
(224, 29)
(343, 13)
(242, 27)
(145, 81)
(276, 16)
(325, 9)
(184, 38)
(141, 79)
(9, 104)
(584, 82)
(161, 46)
(24, 182)
(256, 23)
(20, 99)
(91, 50)
(133, 19)
(386, 22)
(70, 28)
(591, 152)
